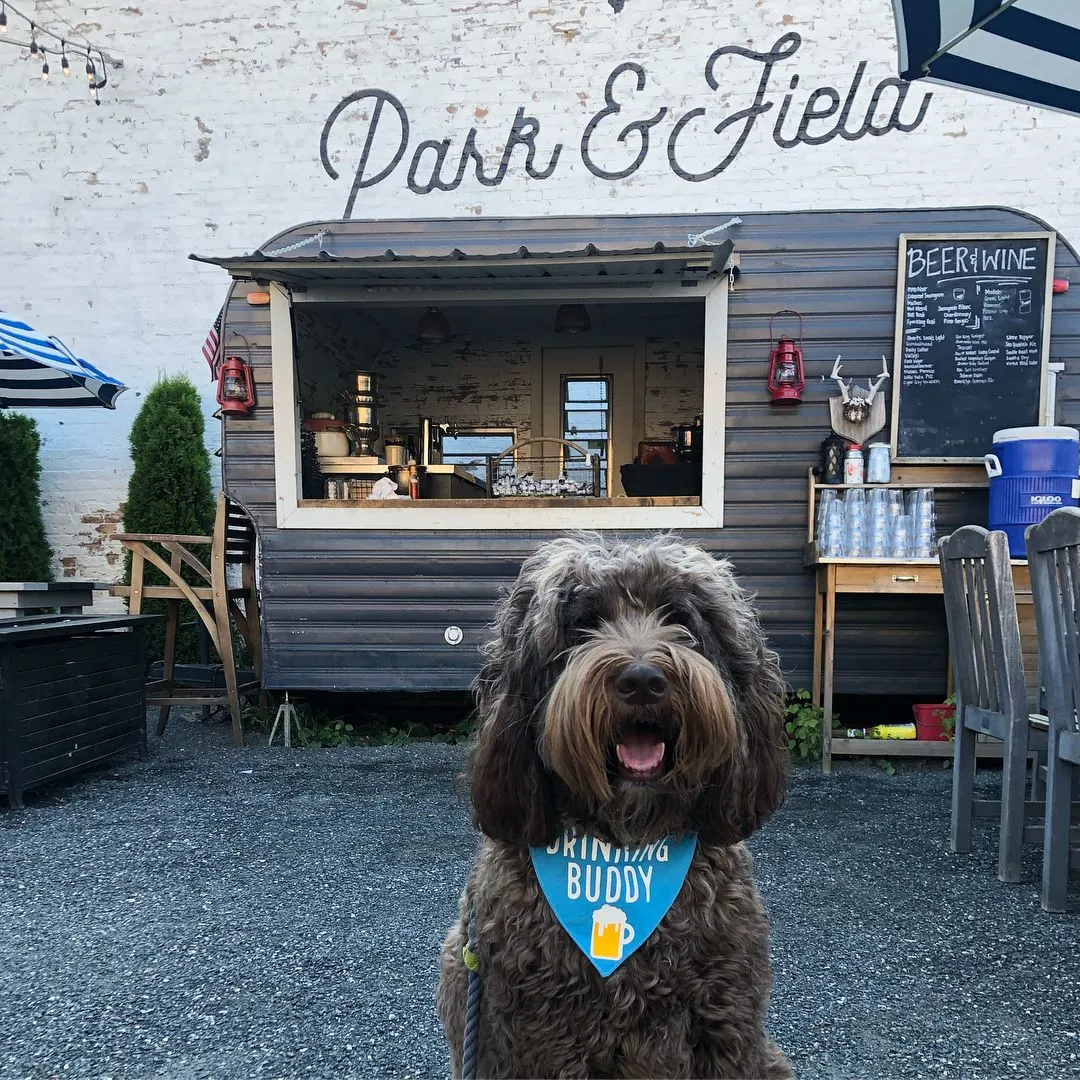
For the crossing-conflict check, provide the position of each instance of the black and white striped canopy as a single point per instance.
(1023, 50)
(37, 372)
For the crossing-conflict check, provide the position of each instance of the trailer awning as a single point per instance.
(336, 254)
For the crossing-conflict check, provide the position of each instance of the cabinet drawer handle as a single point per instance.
(905, 577)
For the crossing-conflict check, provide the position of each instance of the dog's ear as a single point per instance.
(748, 788)
(512, 794)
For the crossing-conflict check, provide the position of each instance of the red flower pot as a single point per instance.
(929, 720)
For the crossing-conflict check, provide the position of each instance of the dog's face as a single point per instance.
(629, 691)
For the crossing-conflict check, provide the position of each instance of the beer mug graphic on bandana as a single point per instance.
(610, 932)
(609, 899)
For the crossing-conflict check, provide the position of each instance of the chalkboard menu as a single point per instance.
(972, 341)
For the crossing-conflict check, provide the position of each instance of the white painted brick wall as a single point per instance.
(208, 140)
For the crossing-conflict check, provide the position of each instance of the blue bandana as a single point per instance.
(610, 899)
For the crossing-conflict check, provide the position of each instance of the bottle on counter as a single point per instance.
(414, 481)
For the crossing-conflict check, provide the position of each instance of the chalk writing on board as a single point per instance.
(971, 341)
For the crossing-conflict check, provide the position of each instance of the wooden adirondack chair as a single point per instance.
(216, 603)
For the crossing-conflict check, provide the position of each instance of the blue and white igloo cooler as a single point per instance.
(1033, 470)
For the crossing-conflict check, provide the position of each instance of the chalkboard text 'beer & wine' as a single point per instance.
(972, 340)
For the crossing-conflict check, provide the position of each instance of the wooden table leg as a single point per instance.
(819, 615)
(172, 625)
(830, 648)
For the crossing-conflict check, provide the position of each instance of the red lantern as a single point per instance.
(786, 379)
(236, 391)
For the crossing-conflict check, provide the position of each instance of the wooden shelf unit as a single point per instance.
(938, 477)
(896, 577)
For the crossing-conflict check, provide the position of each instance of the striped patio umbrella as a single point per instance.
(1023, 50)
(42, 372)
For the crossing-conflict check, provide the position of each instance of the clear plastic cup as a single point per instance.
(824, 500)
(900, 538)
(855, 509)
(878, 545)
(832, 546)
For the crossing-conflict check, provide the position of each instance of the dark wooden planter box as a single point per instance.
(72, 693)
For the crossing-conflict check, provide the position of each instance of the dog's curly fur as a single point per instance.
(689, 1002)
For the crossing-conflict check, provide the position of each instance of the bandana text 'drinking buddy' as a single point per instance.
(609, 899)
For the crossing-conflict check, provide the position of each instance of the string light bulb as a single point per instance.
(44, 67)
(89, 68)
(33, 42)
(65, 67)
(3, 18)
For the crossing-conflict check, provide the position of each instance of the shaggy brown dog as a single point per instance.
(628, 694)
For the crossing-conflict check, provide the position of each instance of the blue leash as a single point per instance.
(472, 1006)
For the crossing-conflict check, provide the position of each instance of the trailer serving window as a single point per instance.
(525, 425)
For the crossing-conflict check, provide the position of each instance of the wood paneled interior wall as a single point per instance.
(346, 611)
(674, 379)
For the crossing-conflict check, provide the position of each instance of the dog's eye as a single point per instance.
(582, 622)
(681, 616)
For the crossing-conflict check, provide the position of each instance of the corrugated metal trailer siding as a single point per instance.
(345, 610)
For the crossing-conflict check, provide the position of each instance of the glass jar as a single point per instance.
(878, 464)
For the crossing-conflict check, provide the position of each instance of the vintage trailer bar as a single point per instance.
(670, 319)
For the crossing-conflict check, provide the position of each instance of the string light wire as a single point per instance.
(96, 64)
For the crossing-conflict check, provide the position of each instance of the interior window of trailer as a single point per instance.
(586, 423)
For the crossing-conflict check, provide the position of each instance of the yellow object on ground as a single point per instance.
(891, 731)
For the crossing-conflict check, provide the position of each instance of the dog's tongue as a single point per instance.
(640, 752)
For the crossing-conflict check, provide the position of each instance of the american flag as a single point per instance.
(212, 344)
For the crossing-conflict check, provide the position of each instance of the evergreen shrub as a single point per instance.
(24, 550)
(170, 492)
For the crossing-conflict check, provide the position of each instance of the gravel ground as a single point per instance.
(262, 913)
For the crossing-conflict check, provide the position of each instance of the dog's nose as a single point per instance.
(642, 684)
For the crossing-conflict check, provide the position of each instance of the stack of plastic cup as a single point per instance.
(878, 523)
(923, 524)
(900, 537)
(832, 544)
(896, 503)
(824, 499)
(855, 522)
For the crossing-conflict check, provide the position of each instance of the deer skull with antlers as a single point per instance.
(856, 401)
